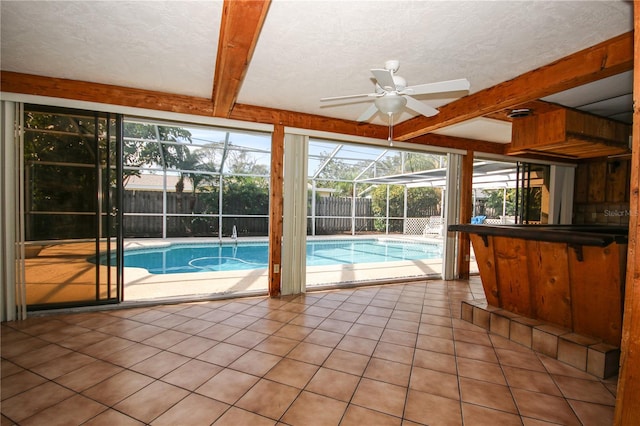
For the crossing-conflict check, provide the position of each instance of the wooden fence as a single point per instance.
(333, 215)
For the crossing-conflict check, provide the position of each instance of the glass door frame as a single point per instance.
(107, 232)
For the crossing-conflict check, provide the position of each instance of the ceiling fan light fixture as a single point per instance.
(390, 104)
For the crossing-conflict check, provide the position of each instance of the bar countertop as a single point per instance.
(587, 235)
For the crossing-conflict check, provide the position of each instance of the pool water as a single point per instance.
(200, 257)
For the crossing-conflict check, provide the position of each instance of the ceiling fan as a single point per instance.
(392, 94)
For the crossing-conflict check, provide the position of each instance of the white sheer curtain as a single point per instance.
(12, 292)
(294, 223)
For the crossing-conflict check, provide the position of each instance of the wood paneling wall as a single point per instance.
(601, 194)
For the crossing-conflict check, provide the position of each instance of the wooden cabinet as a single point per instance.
(569, 134)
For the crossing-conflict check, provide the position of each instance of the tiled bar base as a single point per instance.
(586, 353)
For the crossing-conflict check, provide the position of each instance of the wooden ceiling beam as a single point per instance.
(103, 93)
(239, 30)
(274, 116)
(455, 142)
(602, 60)
(148, 99)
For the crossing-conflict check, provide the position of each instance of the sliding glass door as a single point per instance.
(71, 194)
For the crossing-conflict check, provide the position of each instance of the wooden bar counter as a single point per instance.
(570, 276)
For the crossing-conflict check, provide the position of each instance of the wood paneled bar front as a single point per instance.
(569, 276)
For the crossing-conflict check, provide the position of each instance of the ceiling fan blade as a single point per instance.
(439, 87)
(368, 113)
(420, 107)
(384, 79)
(337, 98)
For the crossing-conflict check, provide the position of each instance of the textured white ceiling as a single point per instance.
(165, 46)
(309, 49)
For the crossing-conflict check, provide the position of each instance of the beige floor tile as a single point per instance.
(222, 354)
(255, 363)
(291, 372)
(88, 375)
(36, 399)
(265, 326)
(474, 415)
(268, 399)
(531, 380)
(476, 351)
(358, 345)
(398, 337)
(429, 409)
(193, 410)
(349, 356)
(19, 382)
(591, 414)
(366, 331)
(160, 364)
(227, 386)
(235, 417)
(193, 346)
(358, 416)
(276, 345)
(388, 371)
(544, 407)
(112, 417)
(246, 338)
(310, 408)
(435, 344)
(324, 338)
(435, 361)
(584, 390)
(527, 360)
(380, 396)
(151, 401)
(347, 362)
(219, 332)
(166, 339)
(435, 382)
(397, 353)
(480, 370)
(132, 355)
(192, 374)
(116, 388)
(72, 411)
(335, 325)
(294, 332)
(311, 353)
(334, 384)
(487, 394)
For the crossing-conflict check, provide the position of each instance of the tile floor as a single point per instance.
(384, 355)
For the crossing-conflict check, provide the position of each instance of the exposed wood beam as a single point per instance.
(460, 143)
(148, 99)
(602, 60)
(103, 93)
(627, 409)
(240, 26)
(276, 210)
(307, 121)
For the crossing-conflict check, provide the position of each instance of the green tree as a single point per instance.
(495, 199)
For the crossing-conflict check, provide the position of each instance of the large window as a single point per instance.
(187, 181)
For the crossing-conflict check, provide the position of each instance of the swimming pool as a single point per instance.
(208, 257)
